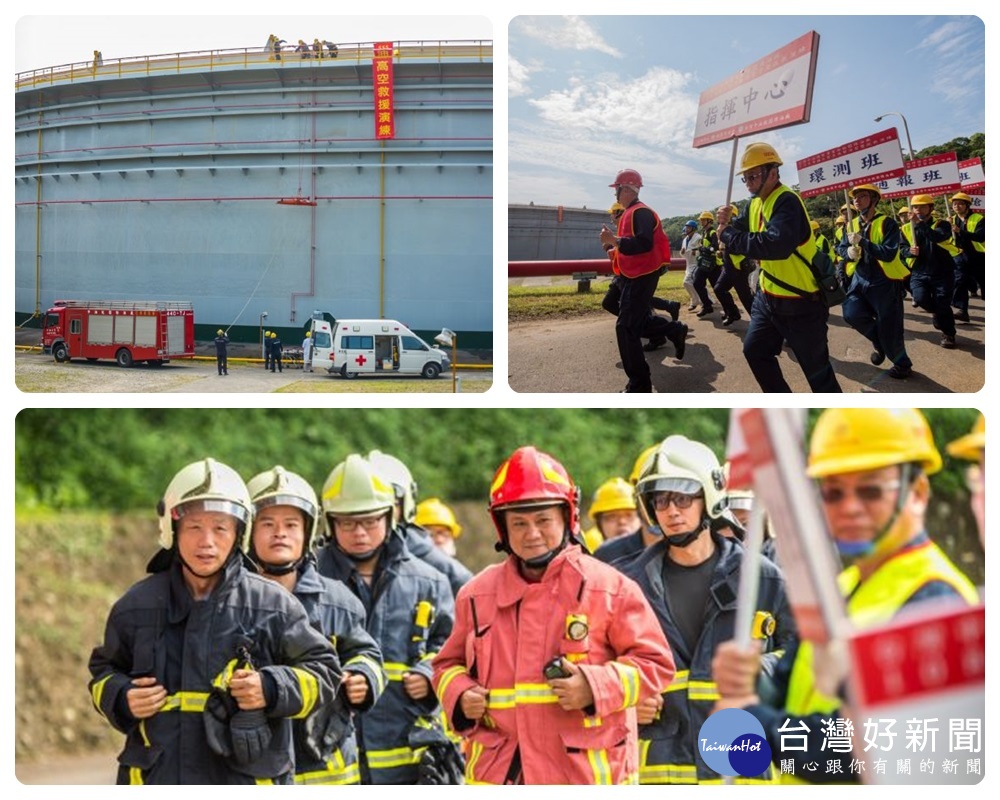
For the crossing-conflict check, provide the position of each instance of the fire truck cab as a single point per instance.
(124, 330)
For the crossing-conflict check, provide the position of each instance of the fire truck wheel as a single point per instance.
(431, 369)
(60, 352)
(124, 358)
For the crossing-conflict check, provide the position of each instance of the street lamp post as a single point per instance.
(263, 316)
(906, 129)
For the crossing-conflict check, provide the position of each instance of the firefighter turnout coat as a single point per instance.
(507, 629)
(669, 745)
(338, 615)
(158, 629)
(410, 613)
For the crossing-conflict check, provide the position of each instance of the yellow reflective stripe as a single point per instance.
(186, 701)
(221, 680)
(373, 665)
(337, 773)
(135, 777)
(264, 782)
(703, 690)
(600, 767)
(448, 676)
(593, 722)
(668, 773)
(395, 672)
(472, 759)
(97, 692)
(521, 694)
(309, 687)
(427, 657)
(680, 681)
(629, 677)
(142, 732)
(399, 757)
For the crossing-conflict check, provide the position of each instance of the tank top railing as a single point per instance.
(198, 61)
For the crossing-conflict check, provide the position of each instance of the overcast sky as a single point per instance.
(591, 95)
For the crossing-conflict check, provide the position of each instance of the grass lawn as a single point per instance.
(526, 303)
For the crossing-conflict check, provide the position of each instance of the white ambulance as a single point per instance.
(352, 347)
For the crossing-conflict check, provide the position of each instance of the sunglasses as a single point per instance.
(662, 500)
(868, 493)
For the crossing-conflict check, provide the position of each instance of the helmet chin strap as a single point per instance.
(684, 539)
(540, 562)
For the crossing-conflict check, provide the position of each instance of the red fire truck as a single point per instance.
(128, 331)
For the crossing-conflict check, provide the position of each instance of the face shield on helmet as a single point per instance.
(398, 474)
(354, 489)
(205, 485)
(687, 467)
(278, 487)
(529, 480)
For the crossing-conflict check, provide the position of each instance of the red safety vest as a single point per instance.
(643, 263)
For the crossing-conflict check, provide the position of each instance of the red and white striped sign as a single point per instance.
(868, 160)
(971, 172)
(933, 175)
(774, 92)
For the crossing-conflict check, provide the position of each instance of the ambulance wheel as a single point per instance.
(431, 369)
(345, 374)
(60, 352)
(124, 358)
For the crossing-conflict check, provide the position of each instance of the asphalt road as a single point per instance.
(581, 355)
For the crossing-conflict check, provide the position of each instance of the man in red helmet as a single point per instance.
(641, 247)
(551, 649)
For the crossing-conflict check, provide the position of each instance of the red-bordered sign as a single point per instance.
(867, 160)
(971, 172)
(933, 175)
(385, 118)
(774, 92)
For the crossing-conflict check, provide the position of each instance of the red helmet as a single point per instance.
(532, 479)
(629, 176)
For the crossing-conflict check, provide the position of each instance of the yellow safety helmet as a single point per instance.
(757, 155)
(862, 439)
(615, 208)
(840, 220)
(219, 332)
(970, 447)
(434, 512)
(640, 463)
(308, 334)
(614, 494)
(919, 200)
(814, 225)
(867, 187)
(961, 196)
(706, 215)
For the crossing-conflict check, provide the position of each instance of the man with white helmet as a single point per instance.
(410, 611)
(204, 663)
(551, 649)
(871, 468)
(642, 248)
(691, 578)
(418, 540)
(787, 308)
(286, 517)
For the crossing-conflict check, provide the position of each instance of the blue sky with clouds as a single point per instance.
(590, 95)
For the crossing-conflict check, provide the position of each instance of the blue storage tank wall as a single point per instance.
(160, 181)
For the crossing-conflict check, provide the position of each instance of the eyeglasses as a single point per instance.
(752, 176)
(662, 500)
(867, 493)
(351, 524)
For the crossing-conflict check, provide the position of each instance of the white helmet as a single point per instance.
(398, 474)
(205, 485)
(279, 487)
(354, 488)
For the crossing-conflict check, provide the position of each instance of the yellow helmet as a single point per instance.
(433, 512)
(614, 494)
(970, 447)
(840, 220)
(640, 463)
(219, 332)
(814, 225)
(308, 334)
(867, 187)
(861, 439)
(615, 208)
(758, 154)
(706, 215)
(919, 200)
(961, 196)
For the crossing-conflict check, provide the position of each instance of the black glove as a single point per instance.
(219, 710)
(441, 765)
(251, 735)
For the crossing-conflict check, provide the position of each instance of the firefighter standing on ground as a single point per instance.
(874, 303)
(642, 247)
(286, 519)
(221, 347)
(787, 307)
(409, 613)
(173, 672)
(551, 649)
(872, 468)
(691, 578)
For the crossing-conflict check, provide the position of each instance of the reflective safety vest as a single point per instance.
(948, 245)
(970, 226)
(791, 270)
(872, 603)
(635, 266)
(894, 270)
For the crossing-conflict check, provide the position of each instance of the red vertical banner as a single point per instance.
(385, 122)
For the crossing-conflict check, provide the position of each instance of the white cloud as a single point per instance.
(518, 76)
(565, 33)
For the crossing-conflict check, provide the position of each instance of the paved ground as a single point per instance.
(581, 355)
